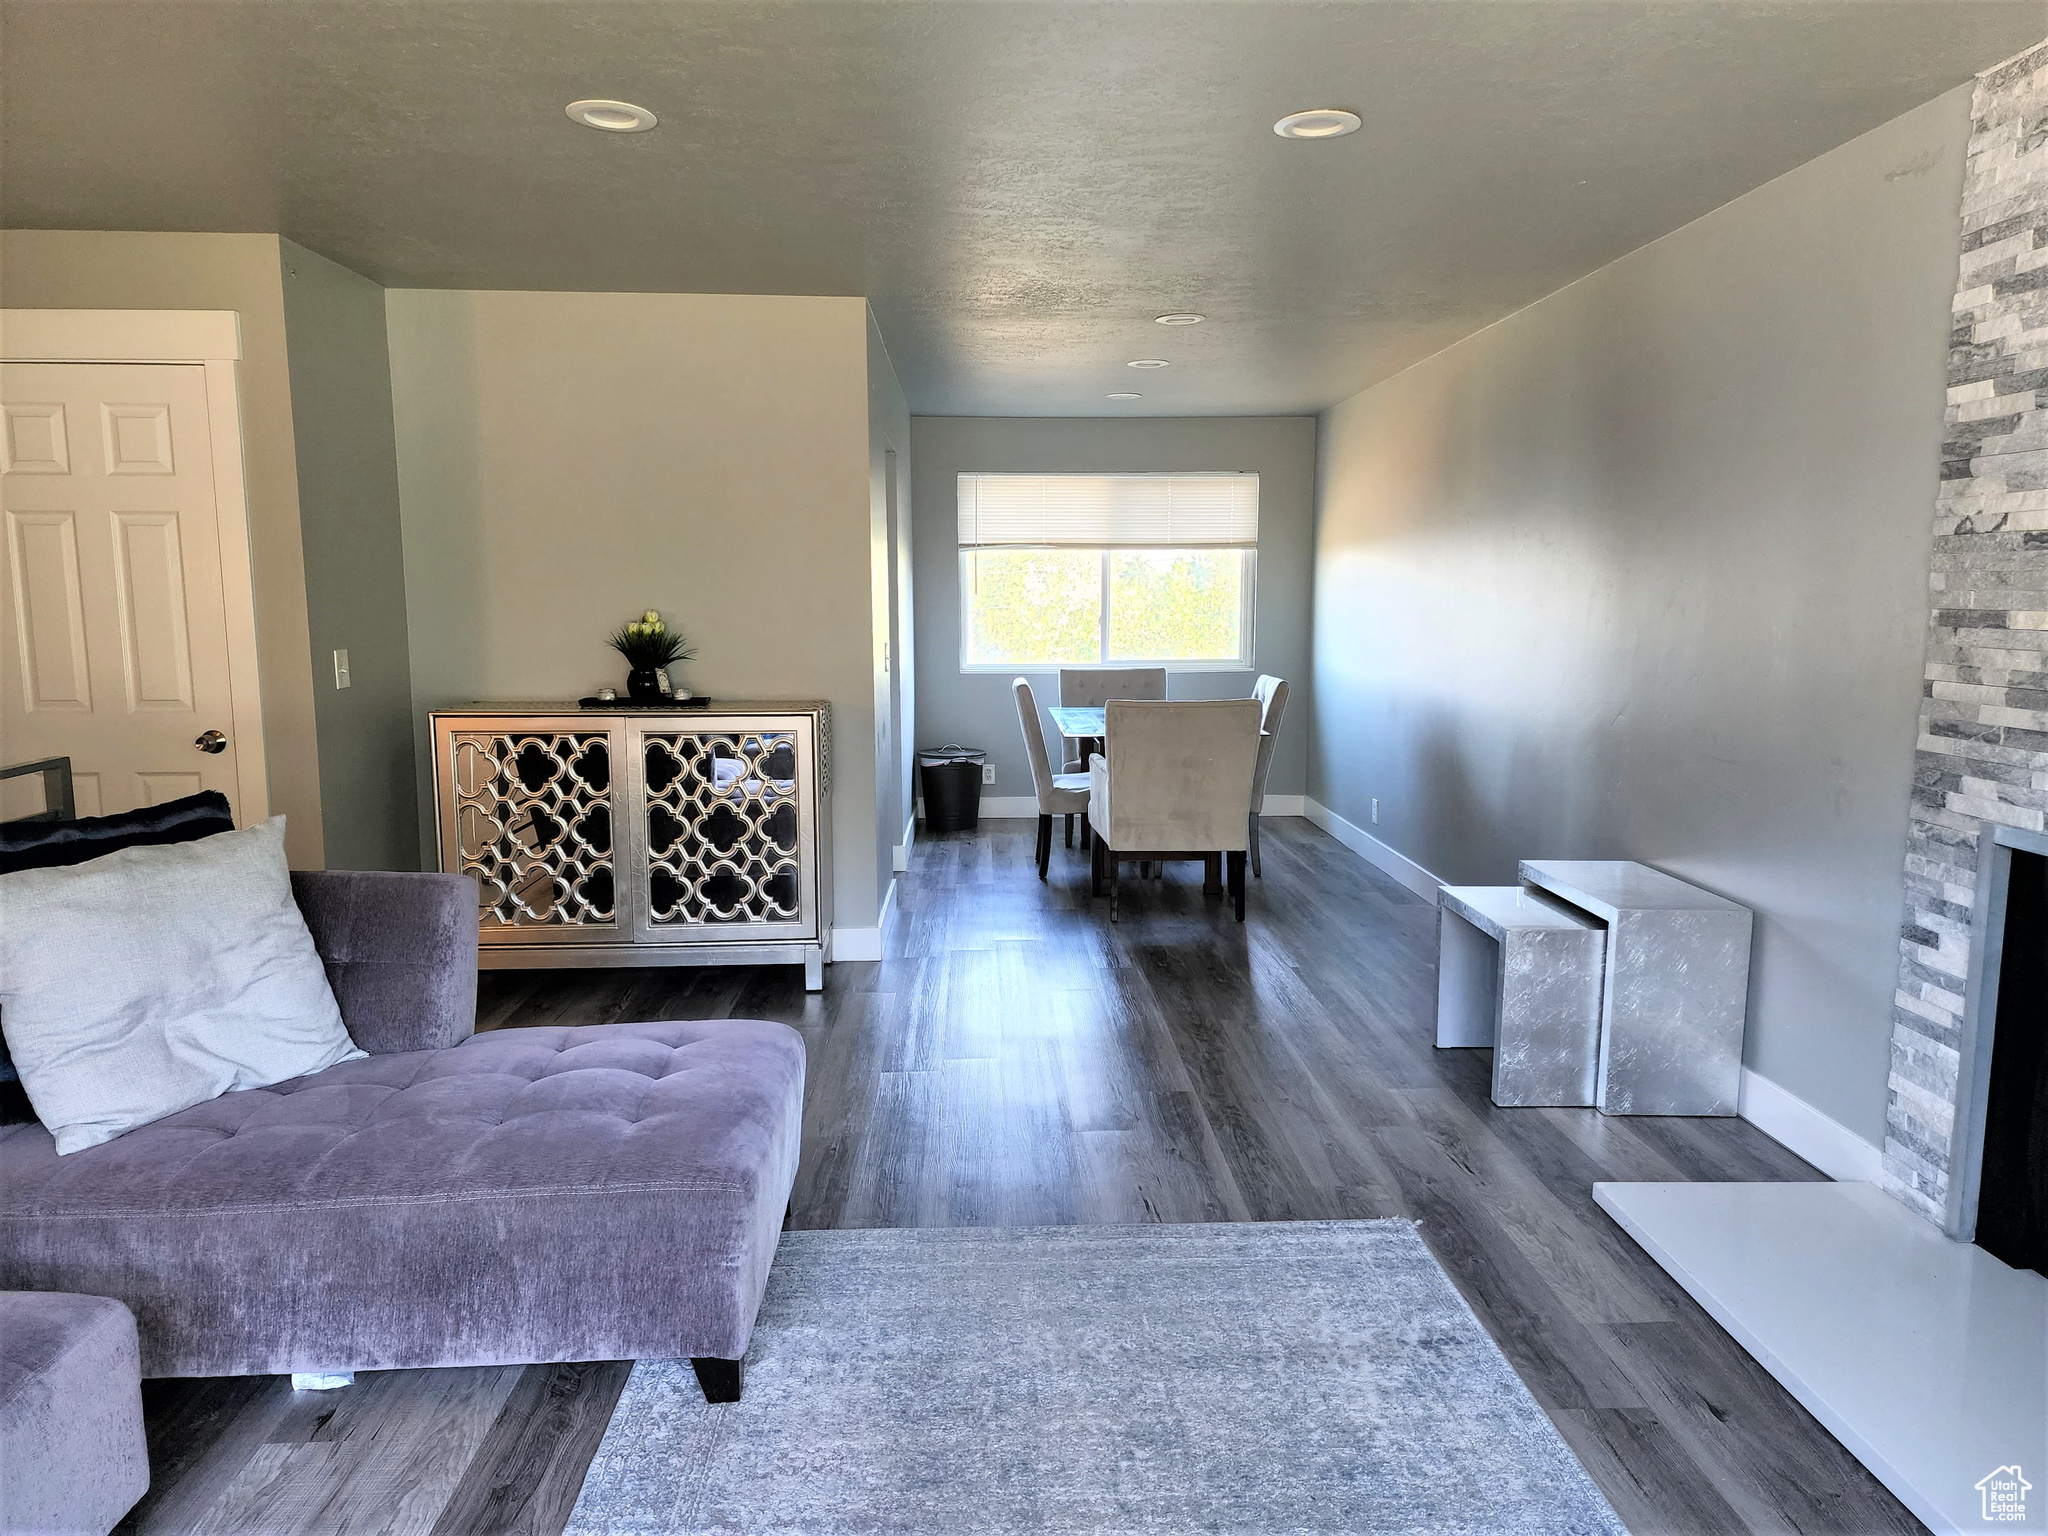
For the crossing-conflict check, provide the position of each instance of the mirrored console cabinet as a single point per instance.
(641, 837)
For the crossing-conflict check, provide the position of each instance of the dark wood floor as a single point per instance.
(1017, 1061)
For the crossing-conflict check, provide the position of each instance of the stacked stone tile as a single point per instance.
(1983, 749)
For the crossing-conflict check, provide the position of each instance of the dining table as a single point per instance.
(1085, 723)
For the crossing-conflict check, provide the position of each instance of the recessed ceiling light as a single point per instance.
(1123, 394)
(1147, 362)
(611, 116)
(1318, 123)
(1178, 319)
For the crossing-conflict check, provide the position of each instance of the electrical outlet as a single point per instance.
(988, 773)
(341, 669)
(1375, 813)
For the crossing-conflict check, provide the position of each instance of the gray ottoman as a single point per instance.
(72, 1455)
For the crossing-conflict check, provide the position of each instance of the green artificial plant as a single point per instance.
(648, 644)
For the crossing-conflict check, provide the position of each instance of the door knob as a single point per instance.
(212, 741)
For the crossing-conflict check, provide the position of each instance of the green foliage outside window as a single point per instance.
(1043, 607)
(1034, 606)
(1175, 604)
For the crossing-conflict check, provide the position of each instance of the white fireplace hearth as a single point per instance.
(1926, 1357)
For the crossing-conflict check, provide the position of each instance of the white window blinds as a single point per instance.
(1091, 511)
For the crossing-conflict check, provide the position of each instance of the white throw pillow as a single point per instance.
(146, 981)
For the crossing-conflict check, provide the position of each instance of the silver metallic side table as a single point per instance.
(1677, 989)
(1521, 973)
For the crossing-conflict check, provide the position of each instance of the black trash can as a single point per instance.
(952, 787)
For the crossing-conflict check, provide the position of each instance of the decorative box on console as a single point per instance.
(679, 836)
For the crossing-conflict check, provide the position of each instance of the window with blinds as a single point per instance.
(1081, 570)
(1096, 511)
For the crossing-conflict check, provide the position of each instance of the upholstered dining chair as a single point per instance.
(1271, 692)
(1059, 794)
(1093, 687)
(1174, 786)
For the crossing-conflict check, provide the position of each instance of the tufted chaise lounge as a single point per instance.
(597, 1193)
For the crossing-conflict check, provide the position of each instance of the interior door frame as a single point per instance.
(210, 339)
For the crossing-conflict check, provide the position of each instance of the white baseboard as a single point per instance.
(864, 943)
(1372, 850)
(1795, 1124)
(1009, 807)
(856, 944)
(900, 855)
(1284, 805)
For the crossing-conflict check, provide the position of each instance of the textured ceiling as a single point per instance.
(1018, 187)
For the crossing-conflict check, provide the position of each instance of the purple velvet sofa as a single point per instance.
(73, 1459)
(607, 1192)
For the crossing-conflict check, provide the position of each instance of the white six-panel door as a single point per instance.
(113, 642)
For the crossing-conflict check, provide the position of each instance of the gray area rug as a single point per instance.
(1277, 1378)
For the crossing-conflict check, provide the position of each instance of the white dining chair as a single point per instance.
(1059, 794)
(1174, 786)
(1093, 687)
(1271, 693)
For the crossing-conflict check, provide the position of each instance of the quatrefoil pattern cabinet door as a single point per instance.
(728, 837)
(529, 813)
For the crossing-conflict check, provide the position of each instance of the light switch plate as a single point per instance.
(341, 669)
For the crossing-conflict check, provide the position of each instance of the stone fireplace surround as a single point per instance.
(1983, 747)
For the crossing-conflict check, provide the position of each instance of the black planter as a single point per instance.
(644, 685)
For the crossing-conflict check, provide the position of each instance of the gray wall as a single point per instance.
(1640, 572)
(976, 707)
(355, 568)
(567, 460)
